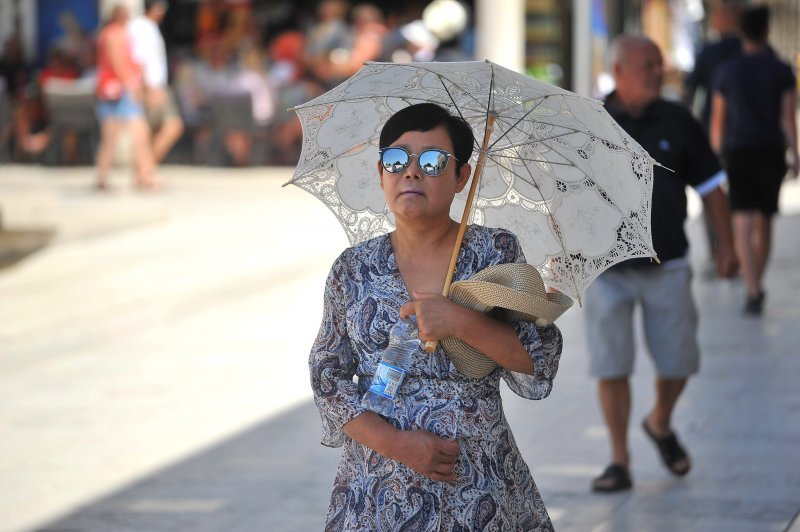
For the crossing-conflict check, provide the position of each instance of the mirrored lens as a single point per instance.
(394, 160)
(433, 162)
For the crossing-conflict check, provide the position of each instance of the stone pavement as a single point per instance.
(154, 378)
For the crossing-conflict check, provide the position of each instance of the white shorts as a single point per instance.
(669, 317)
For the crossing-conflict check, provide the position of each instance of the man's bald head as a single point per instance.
(638, 69)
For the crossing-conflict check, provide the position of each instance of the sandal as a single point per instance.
(614, 478)
(670, 450)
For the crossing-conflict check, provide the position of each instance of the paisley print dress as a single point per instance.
(494, 490)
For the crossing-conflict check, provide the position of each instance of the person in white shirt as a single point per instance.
(150, 53)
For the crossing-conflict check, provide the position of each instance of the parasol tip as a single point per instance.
(656, 163)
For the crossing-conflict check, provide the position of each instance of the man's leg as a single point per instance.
(608, 305)
(670, 326)
(615, 401)
(657, 425)
(743, 226)
(165, 121)
(667, 393)
(144, 168)
(166, 136)
(762, 242)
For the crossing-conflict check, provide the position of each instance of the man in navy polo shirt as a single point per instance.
(677, 141)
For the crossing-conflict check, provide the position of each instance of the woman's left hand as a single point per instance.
(436, 315)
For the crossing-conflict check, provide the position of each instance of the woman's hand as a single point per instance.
(436, 315)
(427, 454)
(422, 451)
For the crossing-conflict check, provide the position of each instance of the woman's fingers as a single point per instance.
(408, 309)
(450, 448)
(443, 474)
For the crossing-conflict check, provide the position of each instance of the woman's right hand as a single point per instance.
(427, 454)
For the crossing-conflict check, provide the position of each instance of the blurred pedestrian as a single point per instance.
(753, 124)
(14, 69)
(447, 20)
(677, 141)
(697, 85)
(15, 81)
(368, 34)
(249, 78)
(330, 39)
(149, 51)
(119, 102)
(59, 69)
(75, 42)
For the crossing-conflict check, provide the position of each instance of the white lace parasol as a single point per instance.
(559, 171)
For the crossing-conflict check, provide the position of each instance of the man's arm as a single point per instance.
(717, 122)
(716, 203)
(789, 123)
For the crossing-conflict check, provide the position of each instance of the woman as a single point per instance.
(119, 102)
(446, 459)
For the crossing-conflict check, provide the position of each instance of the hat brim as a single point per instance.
(515, 287)
(518, 290)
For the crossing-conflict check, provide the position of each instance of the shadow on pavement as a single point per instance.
(739, 418)
(16, 245)
(275, 476)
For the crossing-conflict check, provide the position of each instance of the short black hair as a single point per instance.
(754, 23)
(427, 116)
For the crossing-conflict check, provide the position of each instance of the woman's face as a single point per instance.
(413, 195)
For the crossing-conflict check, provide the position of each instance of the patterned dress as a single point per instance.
(494, 490)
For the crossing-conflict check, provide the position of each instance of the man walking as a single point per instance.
(753, 125)
(677, 141)
(725, 22)
(150, 52)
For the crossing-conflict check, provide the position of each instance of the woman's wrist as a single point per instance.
(465, 322)
(393, 444)
(373, 431)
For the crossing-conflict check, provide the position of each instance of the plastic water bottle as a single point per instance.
(394, 364)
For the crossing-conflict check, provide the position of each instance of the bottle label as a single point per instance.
(387, 380)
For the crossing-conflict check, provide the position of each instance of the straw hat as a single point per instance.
(518, 291)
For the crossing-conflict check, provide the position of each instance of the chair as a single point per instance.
(233, 112)
(71, 109)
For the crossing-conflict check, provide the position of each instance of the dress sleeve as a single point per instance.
(544, 347)
(543, 344)
(332, 362)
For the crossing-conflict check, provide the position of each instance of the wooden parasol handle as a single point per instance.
(430, 346)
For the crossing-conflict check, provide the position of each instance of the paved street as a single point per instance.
(153, 373)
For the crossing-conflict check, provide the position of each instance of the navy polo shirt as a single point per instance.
(708, 60)
(674, 138)
(753, 86)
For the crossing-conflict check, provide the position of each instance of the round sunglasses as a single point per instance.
(432, 162)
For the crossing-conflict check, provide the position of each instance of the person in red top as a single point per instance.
(119, 102)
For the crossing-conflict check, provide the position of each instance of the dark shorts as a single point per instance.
(754, 178)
